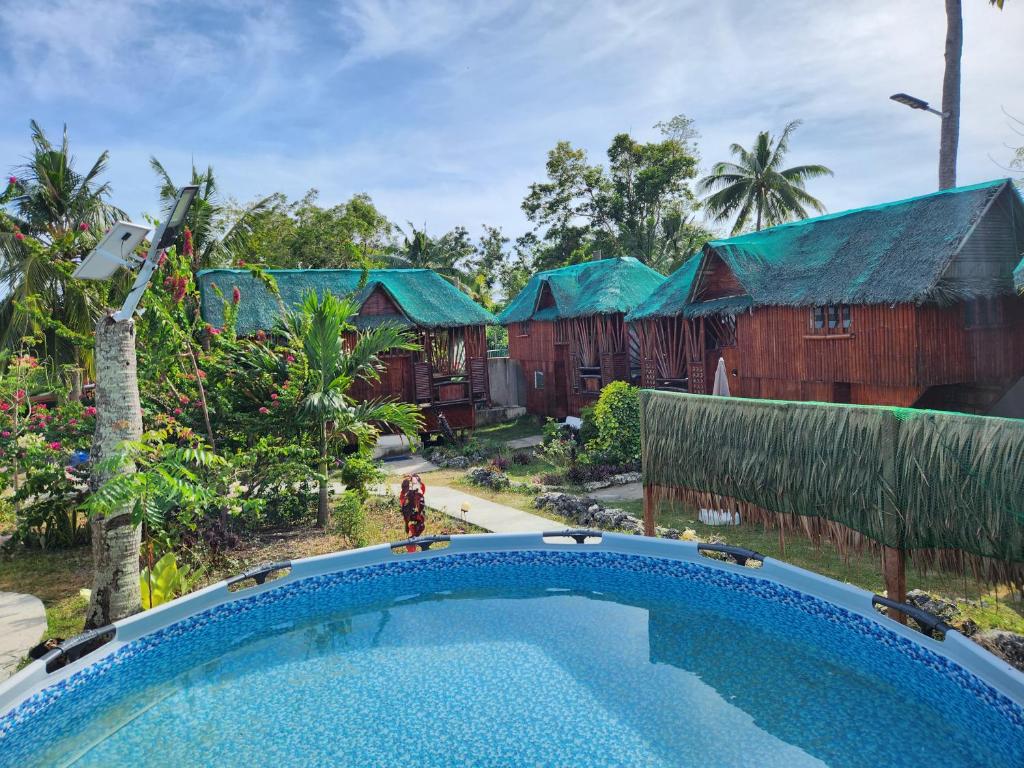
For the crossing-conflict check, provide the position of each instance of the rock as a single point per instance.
(488, 478)
(625, 478)
(456, 462)
(597, 485)
(934, 605)
(1007, 645)
(968, 628)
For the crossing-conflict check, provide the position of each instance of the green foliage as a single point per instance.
(617, 420)
(588, 428)
(351, 517)
(359, 472)
(640, 205)
(757, 186)
(166, 580)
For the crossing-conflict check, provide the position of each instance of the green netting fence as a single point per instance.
(905, 478)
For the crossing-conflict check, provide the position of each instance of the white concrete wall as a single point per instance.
(508, 384)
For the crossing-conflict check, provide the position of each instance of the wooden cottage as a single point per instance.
(566, 330)
(447, 376)
(910, 303)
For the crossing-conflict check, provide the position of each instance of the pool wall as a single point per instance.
(34, 679)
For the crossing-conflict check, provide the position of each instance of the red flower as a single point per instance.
(5, 433)
(177, 411)
(18, 236)
(72, 422)
(5, 406)
(161, 260)
(83, 227)
(289, 358)
(90, 411)
(55, 445)
(187, 250)
(41, 407)
(241, 263)
(275, 403)
(236, 295)
(264, 410)
(180, 288)
(12, 179)
(183, 399)
(20, 394)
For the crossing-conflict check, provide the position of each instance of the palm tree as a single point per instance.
(320, 327)
(757, 184)
(53, 214)
(949, 136)
(216, 236)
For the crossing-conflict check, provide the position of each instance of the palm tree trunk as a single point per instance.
(115, 540)
(323, 509)
(950, 135)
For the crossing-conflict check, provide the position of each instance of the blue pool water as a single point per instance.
(522, 658)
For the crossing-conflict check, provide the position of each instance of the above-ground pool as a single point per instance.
(520, 650)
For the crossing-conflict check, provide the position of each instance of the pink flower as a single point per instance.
(289, 358)
(274, 396)
(187, 250)
(55, 445)
(183, 399)
(90, 411)
(12, 179)
(5, 406)
(177, 411)
(5, 433)
(18, 236)
(241, 263)
(275, 403)
(236, 295)
(41, 407)
(161, 260)
(72, 422)
(19, 394)
(83, 227)
(264, 410)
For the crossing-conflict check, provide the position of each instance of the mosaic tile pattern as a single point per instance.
(545, 657)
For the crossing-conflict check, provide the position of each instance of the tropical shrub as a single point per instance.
(351, 517)
(617, 419)
(165, 580)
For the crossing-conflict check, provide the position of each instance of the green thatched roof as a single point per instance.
(424, 297)
(884, 254)
(606, 286)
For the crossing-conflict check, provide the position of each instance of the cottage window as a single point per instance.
(522, 329)
(831, 318)
(538, 379)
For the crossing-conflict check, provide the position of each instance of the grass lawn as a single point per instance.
(524, 426)
(56, 576)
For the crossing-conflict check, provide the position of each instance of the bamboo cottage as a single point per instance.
(910, 303)
(447, 376)
(566, 329)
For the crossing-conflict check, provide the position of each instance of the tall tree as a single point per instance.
(319, 328)
(949, 137)
(115, 536)
(216, 232)
(757, 186)
(448, 255)
(50, 215)
(583, 210)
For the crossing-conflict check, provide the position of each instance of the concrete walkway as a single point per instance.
(488, 515)
(524, 442)
(22, 625)
(627, 492)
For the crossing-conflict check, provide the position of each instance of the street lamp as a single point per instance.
(117, 247)
(915, 103)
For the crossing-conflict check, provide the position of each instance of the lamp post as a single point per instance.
(115, 539)
(947, 156)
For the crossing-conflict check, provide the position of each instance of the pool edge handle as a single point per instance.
(931, 625)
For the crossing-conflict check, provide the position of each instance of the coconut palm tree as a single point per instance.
(320, 327)
(949, 135)
(215, 236)
(50, 215)
(758, 185)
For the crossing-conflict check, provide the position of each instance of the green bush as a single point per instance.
(351, 517)
(617, 419)
(360, 471)
(588, 429)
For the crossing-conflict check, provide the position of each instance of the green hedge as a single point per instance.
(906, 478)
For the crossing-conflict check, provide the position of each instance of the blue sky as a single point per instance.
(443, 111)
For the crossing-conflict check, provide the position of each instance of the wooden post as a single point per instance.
(649, 527)
(894, 566)
(76, 385)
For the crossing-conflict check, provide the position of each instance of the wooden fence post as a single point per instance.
(649, 527)
(894, 561)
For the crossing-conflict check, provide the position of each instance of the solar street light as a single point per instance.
(117, 249)
(915, 103)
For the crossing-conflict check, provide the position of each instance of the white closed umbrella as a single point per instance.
(721, 380)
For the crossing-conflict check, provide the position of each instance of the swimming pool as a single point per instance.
(521, 650)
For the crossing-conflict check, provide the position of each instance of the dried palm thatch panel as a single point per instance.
(933, 483)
